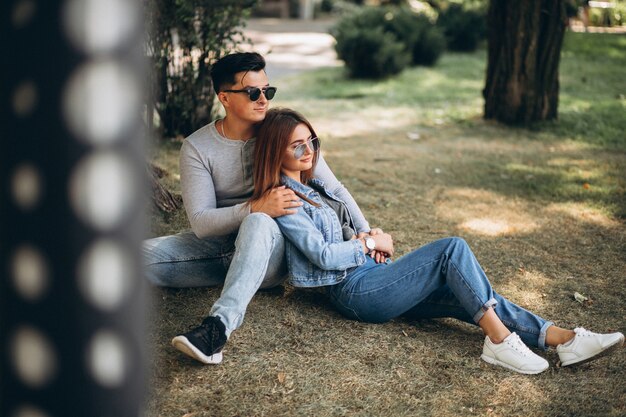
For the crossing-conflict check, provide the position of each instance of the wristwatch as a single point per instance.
(370, 244)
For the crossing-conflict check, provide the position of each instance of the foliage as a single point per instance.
(423, 39)
(614, 16)
(367, 49)
(376, 42)
(185, 36)
(464, 27)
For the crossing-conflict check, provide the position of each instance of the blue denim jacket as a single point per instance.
(316, 253)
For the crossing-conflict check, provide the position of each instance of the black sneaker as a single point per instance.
(205, 342)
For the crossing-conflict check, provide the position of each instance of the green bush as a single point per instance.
(463, 27)
(613, 16)
(370, 53)
(422, 38)
(375, 42)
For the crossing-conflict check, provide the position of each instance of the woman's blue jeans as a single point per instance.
(441, 279)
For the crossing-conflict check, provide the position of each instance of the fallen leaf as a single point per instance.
(579, 297)
(586, 186)
(281, 377)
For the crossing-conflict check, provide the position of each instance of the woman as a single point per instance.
(441, 279)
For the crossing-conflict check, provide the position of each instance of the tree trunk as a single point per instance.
(525, 39)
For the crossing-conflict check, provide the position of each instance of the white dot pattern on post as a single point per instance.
(33, 357)
(97, 26)
(107, 359)
(25, 98)
(100, 100)
(28, 411)
(26, 186)
(104, 274)
(102, 189)
(30, 273)
(23, 13)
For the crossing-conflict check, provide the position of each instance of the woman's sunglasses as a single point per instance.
(255, 92)
(313, 144)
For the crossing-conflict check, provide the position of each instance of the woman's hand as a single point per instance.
(379, 255)
(384, 244)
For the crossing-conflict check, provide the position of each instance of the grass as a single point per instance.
(543, 208)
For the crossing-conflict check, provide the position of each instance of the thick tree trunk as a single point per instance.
(525, 39)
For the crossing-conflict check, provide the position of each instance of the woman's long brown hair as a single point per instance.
(271, 142)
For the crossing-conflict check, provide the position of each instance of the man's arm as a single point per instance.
(323, 172)
(199, 198)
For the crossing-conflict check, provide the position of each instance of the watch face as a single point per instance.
(370, 243)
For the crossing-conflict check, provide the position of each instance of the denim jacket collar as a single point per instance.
(313, 185)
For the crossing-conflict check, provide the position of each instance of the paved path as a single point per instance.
(290, 46)
(293, 45)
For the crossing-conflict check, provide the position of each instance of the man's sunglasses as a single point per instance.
(255, 92)
(313, 144)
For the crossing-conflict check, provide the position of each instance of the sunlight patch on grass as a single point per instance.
(488, 227)
(529, 288)
(524, 390)
(584, 213)
(364, 122)
(485, 213)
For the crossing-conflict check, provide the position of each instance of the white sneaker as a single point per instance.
(586, 346)
(513, 354)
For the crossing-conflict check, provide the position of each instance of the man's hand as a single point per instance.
(277, 202)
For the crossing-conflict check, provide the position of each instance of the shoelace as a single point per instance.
(209, 336)
(582, 332)
(516, 343)
(206, 334)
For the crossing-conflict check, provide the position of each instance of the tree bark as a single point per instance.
(525, 39)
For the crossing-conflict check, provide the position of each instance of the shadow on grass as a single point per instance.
(602, 125)
(593, 177)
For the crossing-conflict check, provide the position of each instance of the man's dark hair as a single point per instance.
(224, 70)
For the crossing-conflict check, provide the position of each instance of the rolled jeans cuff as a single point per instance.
(541, 343)
(491, 303)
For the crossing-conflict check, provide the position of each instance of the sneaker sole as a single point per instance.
(185, 346)
(608, 350)
(494, 361)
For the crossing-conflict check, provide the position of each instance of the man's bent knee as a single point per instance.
(258, 223)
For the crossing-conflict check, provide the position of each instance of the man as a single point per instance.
(227, 233)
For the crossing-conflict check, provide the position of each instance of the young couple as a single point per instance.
(255, 188)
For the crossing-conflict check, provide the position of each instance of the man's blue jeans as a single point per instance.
(251, 259)
(441, 279)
